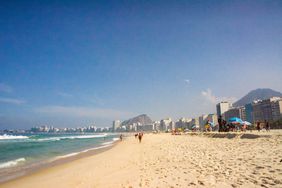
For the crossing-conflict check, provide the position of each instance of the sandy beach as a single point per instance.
(163, 160)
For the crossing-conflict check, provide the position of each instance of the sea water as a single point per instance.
(21, 151)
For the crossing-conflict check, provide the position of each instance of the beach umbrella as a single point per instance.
(211, 124)
(247, 123)
(235, 120)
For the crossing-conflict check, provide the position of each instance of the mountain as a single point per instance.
(143, 119)
(257, 94)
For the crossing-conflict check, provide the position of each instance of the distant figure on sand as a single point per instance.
(225, 128)
(220, 124)
(258, 126)
(120, 137)
(267, 126)
(136, 135)
(140, 135)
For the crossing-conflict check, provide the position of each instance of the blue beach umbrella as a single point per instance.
(235, 120)
(211, 124)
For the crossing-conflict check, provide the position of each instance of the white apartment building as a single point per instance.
(222, 107)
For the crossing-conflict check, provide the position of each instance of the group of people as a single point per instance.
(260, 126)
(223, 126)
(139, 136)
(208, 126)
(226, 127)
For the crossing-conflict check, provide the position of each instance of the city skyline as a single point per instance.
(68, 64)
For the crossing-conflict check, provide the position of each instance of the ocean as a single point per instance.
(21, 153)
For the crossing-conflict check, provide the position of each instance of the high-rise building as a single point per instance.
(202, 121)
(156, 125)
(276, 109)
(239, 112)
(116, 125)
(249, 112)
(195, 123)
(222, 107)
(242, 113)
(165, 124)
(269, 109)
(212, 118)
(182, 123)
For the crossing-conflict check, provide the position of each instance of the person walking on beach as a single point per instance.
(120, 137)
(225, 128)
(258, 126)
(140, 135)
(267, 126)
(220, 124)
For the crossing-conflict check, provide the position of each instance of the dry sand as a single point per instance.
(163, 160)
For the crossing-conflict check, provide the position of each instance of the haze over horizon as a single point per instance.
(69, 63)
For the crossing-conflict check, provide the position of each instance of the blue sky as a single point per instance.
(70, 63)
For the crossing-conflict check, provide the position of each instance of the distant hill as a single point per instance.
(257, 94)
(143, 119)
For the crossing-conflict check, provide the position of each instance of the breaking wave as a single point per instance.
(70, 137)
(12, 163)
(12, 137)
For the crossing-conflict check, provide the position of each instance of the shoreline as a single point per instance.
(165, 160)
(55, 161)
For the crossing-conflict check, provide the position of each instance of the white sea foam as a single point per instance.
(100, 147)
(12, 137)
(111, 142)
(68, 155)
(107, 143)
(115, 139)
(48, 139)
(76, 153)
(71, 137)
(12, 163)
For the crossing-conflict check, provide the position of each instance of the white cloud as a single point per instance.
(187, 81)
(213, 99)
(64, 94)
(209, 96)
(83, 112)
(12, 101)
(5, 88)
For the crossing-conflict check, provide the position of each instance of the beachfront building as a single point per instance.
(139, 126)
(182, 123)
(276, 108)
(269, 109)
(195, 123)
(202, 121)
(116, 125)
(149, 127)
(212, 118)
(239, 112)
(172, 125)
(249, 112)
(166, 124)
(222, 107)
(156, 125)
(233, 112)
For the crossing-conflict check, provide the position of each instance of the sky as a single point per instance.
(80, 63)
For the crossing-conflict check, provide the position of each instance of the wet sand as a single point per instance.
(164, 160)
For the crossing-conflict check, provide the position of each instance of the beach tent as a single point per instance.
(235, 120)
